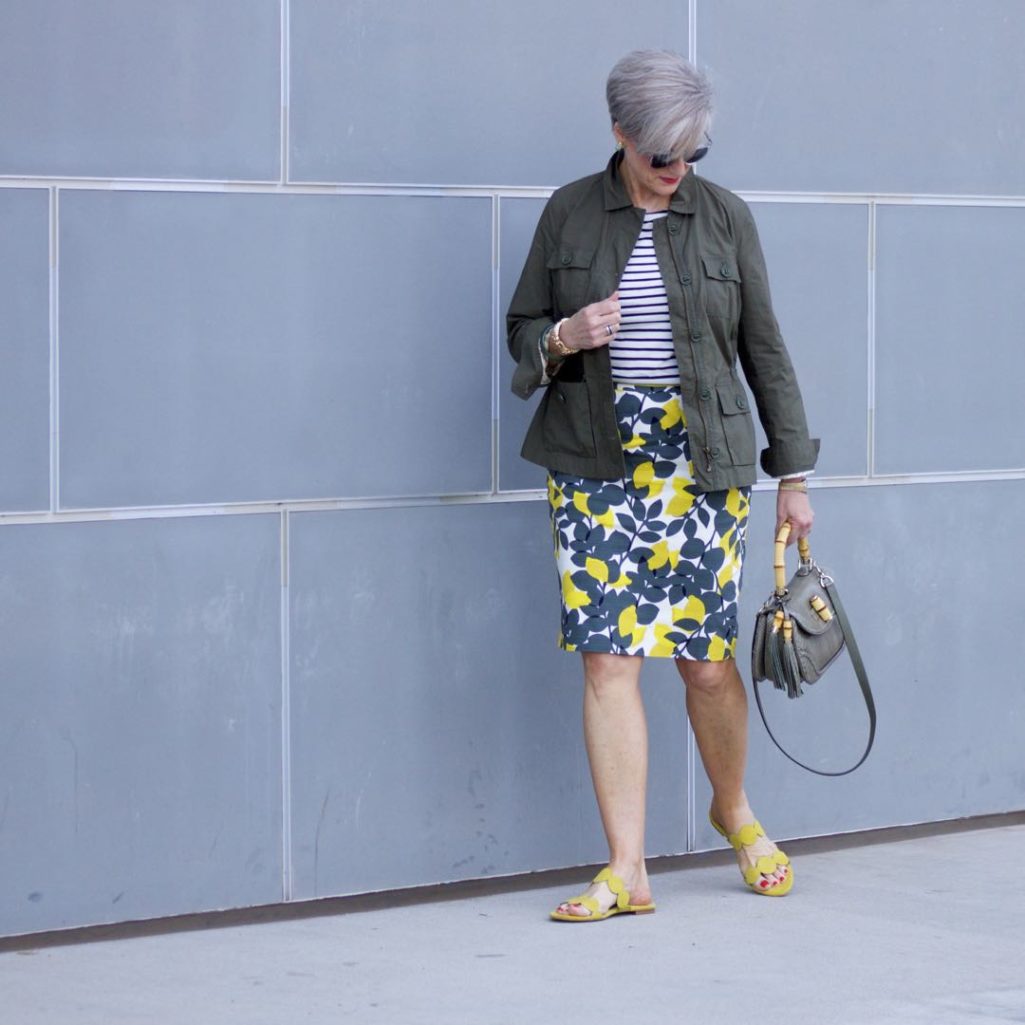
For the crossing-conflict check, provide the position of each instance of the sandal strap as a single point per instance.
(585, 902)
(615, 885)
(765, 866)
(746, 836)
(613, 882)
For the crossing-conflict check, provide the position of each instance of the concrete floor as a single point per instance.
(923, 930)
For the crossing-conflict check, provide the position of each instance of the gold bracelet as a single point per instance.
(556, 346)
(794, 485)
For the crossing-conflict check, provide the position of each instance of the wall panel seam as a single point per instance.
(871, 344)
(691, 789)
(692, 31)
(312, 505)
(496, 332)
(880, 198)
(286, 71)
(287, 882)
(54, 340)
(271, 188)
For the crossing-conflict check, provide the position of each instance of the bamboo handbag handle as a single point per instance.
(779, 564)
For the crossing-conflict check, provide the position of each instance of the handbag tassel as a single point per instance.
(786, 670)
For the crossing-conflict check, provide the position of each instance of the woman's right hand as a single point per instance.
(592, 326)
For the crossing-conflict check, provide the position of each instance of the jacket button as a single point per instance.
(674, 228)
(725, 268)
(685, 279)
(566, 260)
(560, 396)
(706, 393)
(740, 403)
(713, 452)
(695, 336)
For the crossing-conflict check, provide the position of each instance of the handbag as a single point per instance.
(799, 632)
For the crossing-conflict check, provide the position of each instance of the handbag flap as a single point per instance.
(804, 585)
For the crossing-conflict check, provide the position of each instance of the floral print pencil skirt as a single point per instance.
(649, 566)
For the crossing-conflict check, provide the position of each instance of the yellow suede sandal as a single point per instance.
(621, 907)
(754, 876)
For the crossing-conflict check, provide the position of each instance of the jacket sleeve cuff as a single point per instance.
(530, 370)
(790, 458)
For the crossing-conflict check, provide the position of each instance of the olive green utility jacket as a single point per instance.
(719, 305)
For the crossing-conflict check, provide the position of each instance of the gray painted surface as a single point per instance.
(818, 267)
(24, 349)
(140, 765)
(465, 92)
(430, 699)
(949, 279)
(252, 344)
(141, 89)
(880, 97)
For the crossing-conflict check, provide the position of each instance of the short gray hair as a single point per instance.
(663, 104)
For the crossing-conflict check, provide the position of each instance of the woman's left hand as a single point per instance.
(795, 507)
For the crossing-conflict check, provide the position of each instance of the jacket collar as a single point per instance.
(616, 196)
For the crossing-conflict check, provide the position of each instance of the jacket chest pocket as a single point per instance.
(570, 270)
(722, 285)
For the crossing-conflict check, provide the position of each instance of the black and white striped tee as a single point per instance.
(643, 347)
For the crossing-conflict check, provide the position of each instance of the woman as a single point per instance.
(643, 288)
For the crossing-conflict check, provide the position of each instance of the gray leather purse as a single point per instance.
(799, 632)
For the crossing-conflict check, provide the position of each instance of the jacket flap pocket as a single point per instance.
(733, 400)
(721, 266)
(570, 257)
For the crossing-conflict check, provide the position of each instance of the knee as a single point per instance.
(604, 673)
(707, 677)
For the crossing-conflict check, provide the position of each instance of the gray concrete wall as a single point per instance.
(277, 611)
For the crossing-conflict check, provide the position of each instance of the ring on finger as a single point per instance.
(609, 331)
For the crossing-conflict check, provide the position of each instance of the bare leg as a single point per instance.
(616, 735)
(717, 706)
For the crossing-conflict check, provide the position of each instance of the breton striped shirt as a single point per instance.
(642, 349)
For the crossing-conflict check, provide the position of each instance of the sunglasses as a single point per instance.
(660, 160)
